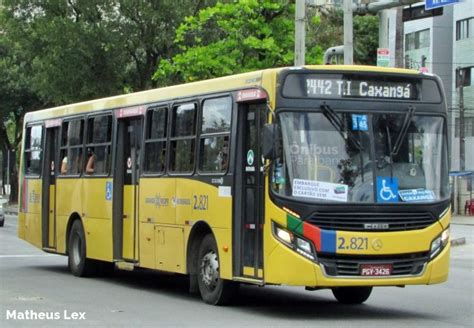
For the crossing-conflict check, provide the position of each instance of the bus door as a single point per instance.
(50, 169)
(126, 187)
(248, 210)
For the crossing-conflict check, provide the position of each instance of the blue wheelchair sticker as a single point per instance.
(359, 123)
(108, 191)
(387, 190)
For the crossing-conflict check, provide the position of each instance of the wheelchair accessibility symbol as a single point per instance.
(108, 190)
(387, 190)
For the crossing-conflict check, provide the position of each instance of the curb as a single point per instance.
(458, 241)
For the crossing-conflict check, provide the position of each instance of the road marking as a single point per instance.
(27, 255)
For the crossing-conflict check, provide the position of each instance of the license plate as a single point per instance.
(376, 269)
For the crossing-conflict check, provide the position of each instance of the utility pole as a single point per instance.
(383, 29)
(399, 38)
(348, 33)
(460, 78)
(300, 32)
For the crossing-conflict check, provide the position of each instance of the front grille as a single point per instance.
(348, 265)
(377, 221)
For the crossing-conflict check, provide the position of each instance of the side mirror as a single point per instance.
(271, 148)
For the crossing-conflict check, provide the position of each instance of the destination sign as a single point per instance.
(348, 86)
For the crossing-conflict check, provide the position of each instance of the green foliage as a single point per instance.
(327, 30)
(366, 31)
(58, 52)
(231, 38)
(247, 35)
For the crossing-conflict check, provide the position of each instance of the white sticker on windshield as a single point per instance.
(320, 190)
(417, 195)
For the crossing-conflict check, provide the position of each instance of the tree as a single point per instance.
(16, 98)
(147, 29)
(58, 52)
(248, 35)
(327, 30)
(231, 38)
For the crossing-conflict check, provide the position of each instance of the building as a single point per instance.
(463, 62)
(441, 41)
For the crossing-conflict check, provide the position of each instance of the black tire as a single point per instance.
(2, 222)
(213, 289)
(79, 265)
(352, 295)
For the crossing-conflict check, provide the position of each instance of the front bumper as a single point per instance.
(284, 266)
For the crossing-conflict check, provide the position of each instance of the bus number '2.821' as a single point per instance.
(355, 243)
(201, 202)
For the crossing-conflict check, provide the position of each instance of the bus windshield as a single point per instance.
(332, 156)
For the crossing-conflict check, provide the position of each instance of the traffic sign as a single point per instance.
(383, 57)
(432, 4)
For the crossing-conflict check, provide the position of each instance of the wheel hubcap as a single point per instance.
(76, 249)
(210, 270)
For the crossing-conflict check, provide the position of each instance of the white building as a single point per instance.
(463, 58)
(441, 42)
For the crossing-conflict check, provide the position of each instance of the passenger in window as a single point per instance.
(90, 161)
(64, 165)
(224, 154)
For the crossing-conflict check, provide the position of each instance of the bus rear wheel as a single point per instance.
(352, 295)
(79, 265)
(213, 289)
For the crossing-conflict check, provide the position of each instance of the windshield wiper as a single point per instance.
(403, 131)
(337, 122)
(389, 141)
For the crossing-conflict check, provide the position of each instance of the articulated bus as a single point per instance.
(318, 176)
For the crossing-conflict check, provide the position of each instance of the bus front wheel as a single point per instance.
(352, 295)
(213, 289)
(79, 265)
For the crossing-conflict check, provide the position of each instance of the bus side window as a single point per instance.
(71, 147)
(155, 140)
(98, 145)
(33, 150)
(215, 135)
(183, 135)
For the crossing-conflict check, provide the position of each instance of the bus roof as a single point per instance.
(222, 84)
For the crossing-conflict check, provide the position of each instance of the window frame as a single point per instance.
(416, 38)
(202, 136)
(165, 139)
(28, 150)
(87, 145)
(172, 138)
(469, 25)
(66, 147)
(468, 76)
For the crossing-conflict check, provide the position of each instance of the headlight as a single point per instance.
(295, 242)
(439, 243)
(445, 237)
(284, 235)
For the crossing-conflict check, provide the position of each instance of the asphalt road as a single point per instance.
(33, 281)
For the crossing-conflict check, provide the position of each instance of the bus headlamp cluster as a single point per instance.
(439, 243)
(295, 242)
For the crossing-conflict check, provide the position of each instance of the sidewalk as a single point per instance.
(462, 220)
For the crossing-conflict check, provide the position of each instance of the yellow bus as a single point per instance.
(318, 176)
